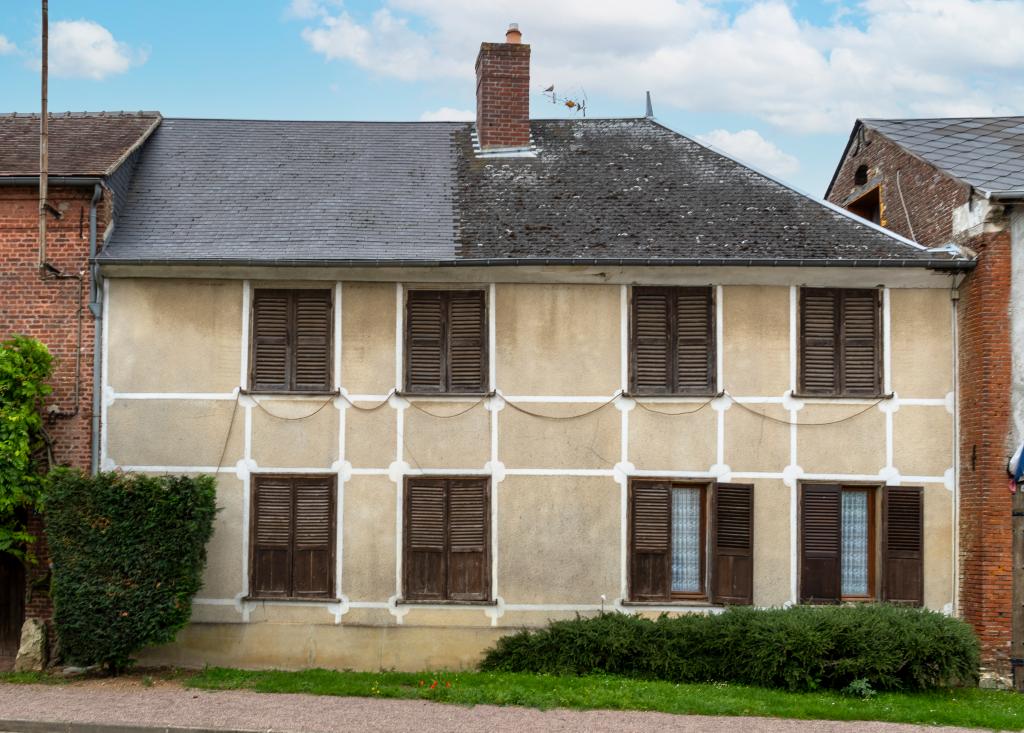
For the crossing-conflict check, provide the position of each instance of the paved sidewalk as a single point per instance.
(119, 710)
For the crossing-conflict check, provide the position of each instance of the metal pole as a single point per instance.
(44, 158)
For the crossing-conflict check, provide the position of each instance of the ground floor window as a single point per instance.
(690, 542)
(292, 534)
(447, 539)
(843, 548)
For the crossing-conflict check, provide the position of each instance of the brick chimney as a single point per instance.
(503, 92)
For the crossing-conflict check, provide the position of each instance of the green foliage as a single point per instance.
(128, 554)
(800, 648)
(990, 709)
(25, 365)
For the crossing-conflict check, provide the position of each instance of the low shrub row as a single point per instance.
(799, 648)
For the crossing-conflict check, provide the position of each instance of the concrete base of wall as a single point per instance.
(349, 647)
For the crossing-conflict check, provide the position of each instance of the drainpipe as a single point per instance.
(96, 308)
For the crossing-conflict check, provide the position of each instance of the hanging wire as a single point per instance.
(684, 412)
(780, 421)
(328, 401)
(523, 410)
(376, 407)
(479, 402)
(231, 426)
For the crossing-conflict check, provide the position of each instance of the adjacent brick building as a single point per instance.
(91, 161)
(961, 181)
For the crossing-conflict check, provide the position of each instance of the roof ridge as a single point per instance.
(940, 119)
(79, 115)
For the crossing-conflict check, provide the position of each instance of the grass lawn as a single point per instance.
(964, 707)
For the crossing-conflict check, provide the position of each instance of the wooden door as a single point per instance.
(12, 608)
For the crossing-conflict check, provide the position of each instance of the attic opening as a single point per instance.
(868, 206)
(860, 177)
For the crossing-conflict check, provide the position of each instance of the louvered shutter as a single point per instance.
(468, 572)
(902, 545)
(819, 342)
(652, 341)
(271, 331)
(312, 348)
(820, 543)
(424, 341)
(860, 342)
(732, 544)
(426, 539)
(272, 537)
(695, 346)
(467, 341)
(650, 539)
(313, 538)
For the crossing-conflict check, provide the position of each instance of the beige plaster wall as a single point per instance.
(175, 335)
(226, 552)
(772, 541)
(447, 435)
(526, 441)
(558, 340)
(922, 440)
(368, 537)
(295, 434)
(662, 441)
(368, 333)
(558, 539)
(856, 445)
(755, 336)
(921, 323)
(174, 432)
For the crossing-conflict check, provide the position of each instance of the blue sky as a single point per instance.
(775, 83)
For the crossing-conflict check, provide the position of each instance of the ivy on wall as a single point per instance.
(25, 365)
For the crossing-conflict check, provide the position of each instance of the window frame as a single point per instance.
(291, 389)
(446, 346)
(704, 594)
(256, 595)
(841, 391)
(406, 598)
(874, 492)
(674, 389)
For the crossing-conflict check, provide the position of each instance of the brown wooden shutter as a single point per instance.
(820, 543)
(861, 373)
(732, 544)
(652, 341)
(819, 342)
(425, 328)
(695, 341)
(271, 331)
(312, 547)
(651, 542)
(426, 539)
(902, 545)
(468, 519)
(272, 537)
(312, 347)
(467, 341)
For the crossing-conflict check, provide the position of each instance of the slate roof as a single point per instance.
(80, 144)
(986, 152)
(603, 191)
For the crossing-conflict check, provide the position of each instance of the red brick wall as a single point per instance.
(985, 377)
(930, 195)
(503, 95)
(48, 309)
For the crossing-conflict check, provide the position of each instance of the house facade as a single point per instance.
(92, 157)
(959, 182)
(456, 379)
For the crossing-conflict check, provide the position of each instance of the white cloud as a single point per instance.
(85, 49)
(873, 58)
(6, 46)
(749, 147)
(310, 8)
(448, 114)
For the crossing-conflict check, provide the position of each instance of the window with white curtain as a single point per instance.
(856, 543)
(686, 539)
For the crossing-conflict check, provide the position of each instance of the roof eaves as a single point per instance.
(842, 158)
(827, 204)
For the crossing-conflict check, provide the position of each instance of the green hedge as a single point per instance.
(128, 553)
(800, 648)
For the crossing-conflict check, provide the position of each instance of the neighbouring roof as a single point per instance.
(985, 152)
(80, 143)
(623, 190)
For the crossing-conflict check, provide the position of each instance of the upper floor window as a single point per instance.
(672, 341)
(291, 341)
(868, 206)
(839, 546)
(671, 540)
(446, 341)
(840, 343)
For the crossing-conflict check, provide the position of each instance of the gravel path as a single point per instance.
(169, 704)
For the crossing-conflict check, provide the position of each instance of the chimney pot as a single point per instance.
(503, 92)
(512, 35)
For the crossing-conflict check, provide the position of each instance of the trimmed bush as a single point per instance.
(128, 554)
(801, 648)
